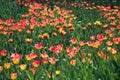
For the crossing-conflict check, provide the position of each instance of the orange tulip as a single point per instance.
(10, 40)
(36, 63)
(28, 40)
(13, 76)
(45, 35)
(114, 51)
(90, 43)
(73, 62)
(54, 34)
(63, 33)
(31, 56)
(40, 36)
(7, 65)
(109, 43)
(1, 68)
(111, 35)
(107, 31)
(33, 70)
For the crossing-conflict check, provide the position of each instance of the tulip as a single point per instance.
(73, 62)
(28, 40)
(89, 24)
(114, 51)
(111, 35)
(81, 43)
(57, 72)
(31, 56)
(1, 68)
(45, 60)
(16, 57)
(71, 53)
(68, 49)
(72, 29)
(105, 26)
(56, 49)
(84, 29)
(38, 46)
(92, 37)
(44, 55)
(13, 76)
(36, 63)
(45, 35)
(40, 36)
(83, 54)
(33, 70)
(7, 65)
(10, 40)
(54, 34)
(63, 33)
(49, 75)
(16, 60)
(3, 52)
(109, 43)
(22, 66)
(116, 40)
(73, 40)
(107, 31)
(52, 60)
(90, 43)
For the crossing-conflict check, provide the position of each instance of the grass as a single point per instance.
(50, 59)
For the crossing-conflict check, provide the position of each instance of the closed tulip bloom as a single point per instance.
(52, 60)
(36, 63)
(28, 40)
(45, 35)
(22, 66)
(73, 40)
(116, 40)
(73, 62)
(10, 40)
(16, 57)
(3, 52)
(13, 76)
(54, 34)
(38, 46)
(81, 43)
(33, 70)
(109, 43)
(7, 65)
(57, 72)
(45, 60)
(44, 55)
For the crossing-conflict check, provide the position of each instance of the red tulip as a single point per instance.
(38, 46)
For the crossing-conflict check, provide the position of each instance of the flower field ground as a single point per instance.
(59, 40)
